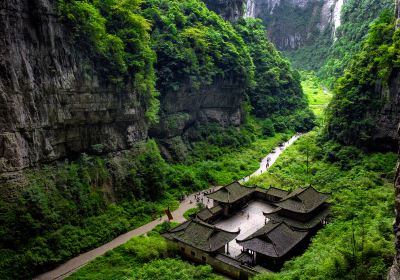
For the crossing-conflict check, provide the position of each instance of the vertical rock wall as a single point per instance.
(52, 103)
(295, 23)
(394, 273)
(228, 9)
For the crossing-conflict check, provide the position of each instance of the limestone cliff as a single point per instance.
(182, 110)
(228, 9)
(294, 23)
(388, 118)
(394, 273)
(52, 103)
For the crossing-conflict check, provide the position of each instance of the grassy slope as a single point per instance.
(362, 198)
(318, 96)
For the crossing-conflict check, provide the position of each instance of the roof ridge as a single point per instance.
(197, 220)
(252, 236)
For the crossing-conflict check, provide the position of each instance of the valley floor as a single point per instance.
(358, 242)
(76, 263)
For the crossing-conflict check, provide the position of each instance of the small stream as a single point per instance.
(270, 159)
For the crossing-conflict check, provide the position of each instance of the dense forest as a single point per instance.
(154, 49)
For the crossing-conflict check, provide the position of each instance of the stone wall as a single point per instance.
(52, 103)
(388, 118)
(219, 261)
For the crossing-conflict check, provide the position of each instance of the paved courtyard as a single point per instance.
(249, 220)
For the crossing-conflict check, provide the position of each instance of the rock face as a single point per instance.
(398, 12)
(394, 273)
(181, 111)
(228, 9)
(294, 23)
(52, 103)
(388, 119)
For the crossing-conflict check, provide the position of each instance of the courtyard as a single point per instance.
(249, 219)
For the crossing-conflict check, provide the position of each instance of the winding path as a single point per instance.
(81, 260)
(270, 159)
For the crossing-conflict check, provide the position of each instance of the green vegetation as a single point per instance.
(358, 242)
(116, 38)
(67, 209)
(190, 212)
(73, 207)
(329, 58)
(179, 44)
(277, 93)
(195, 47)
(150, 46)
(318, 96)
(143, 257)
(357, 101)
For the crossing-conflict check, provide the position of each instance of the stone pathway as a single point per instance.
(76, 263)
(270, 159)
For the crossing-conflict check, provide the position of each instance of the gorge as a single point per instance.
(112, 111)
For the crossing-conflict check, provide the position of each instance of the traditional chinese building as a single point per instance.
(210, 215)
(231, 197)
(304, 208)
(273, 244)
(198, 239)
(284, 234)
(205, 243)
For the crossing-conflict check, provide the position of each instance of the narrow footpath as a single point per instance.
(270, 159)
(81, 260)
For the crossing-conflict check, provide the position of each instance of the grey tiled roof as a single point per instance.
(302, 200)
(275, 217)
(207, 213)
(231, 193)
(274, 239)
(200, 235)
(277, 192)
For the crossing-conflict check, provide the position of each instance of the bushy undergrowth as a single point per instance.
(358, 242)
(72, 207)
(144, 257)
